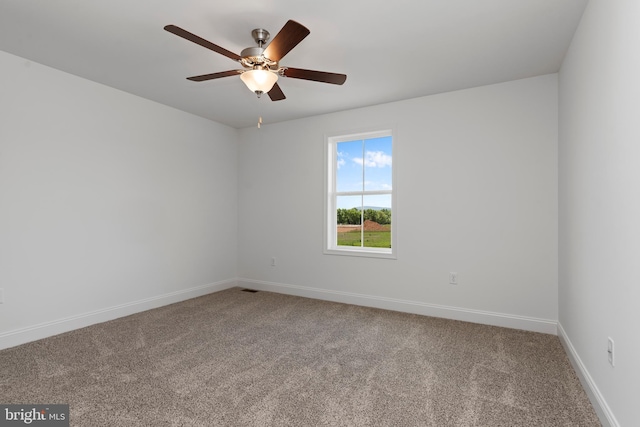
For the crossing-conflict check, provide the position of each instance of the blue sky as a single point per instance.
(374, 157)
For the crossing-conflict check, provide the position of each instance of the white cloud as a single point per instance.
(374, 159)
(341, 162)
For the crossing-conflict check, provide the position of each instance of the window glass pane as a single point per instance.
(377, 221)
(377, 164)
(349, 221)
(349, 166)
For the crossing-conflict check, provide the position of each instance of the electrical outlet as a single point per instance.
(273, 262)
(453, 278)
(612, 360)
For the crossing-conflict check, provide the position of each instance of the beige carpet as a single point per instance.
(260, 359)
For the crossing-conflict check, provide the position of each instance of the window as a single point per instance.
(360, 195)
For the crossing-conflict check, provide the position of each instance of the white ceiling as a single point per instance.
(390, 50)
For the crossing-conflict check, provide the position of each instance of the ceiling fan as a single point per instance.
(261, 65)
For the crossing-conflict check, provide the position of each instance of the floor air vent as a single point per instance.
(253, 291)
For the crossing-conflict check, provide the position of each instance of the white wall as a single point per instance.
(599, 160)
(109, 203)
(477, 194)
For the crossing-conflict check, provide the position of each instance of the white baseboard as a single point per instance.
(597, 400)
(456, 313)
(47, 329)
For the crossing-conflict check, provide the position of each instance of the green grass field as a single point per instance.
(372, 239)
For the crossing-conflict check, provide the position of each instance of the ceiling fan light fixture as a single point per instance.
(259, 80)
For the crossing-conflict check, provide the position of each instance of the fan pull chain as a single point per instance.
(259, 113)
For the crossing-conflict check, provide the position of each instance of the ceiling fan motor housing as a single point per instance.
(252, 57)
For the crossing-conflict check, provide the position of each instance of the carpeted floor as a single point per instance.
(236, 358)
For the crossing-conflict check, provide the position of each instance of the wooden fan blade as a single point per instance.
(276, 93)
(212, 76)
(202, 42)
(316, 76)
(289, 36)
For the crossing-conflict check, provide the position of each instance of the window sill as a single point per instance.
(361, 252)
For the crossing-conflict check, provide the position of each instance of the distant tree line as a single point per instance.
(352, 216)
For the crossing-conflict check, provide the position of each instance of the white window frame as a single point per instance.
(330, 212)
